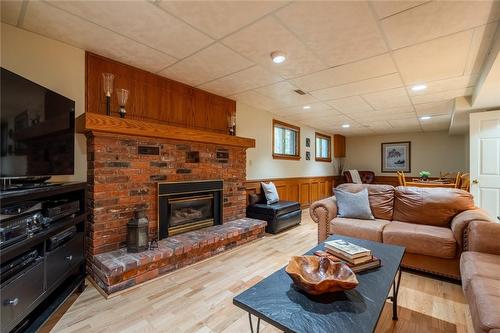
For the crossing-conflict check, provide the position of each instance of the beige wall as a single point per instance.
(256, 123)
(432, 151)
(52, 64)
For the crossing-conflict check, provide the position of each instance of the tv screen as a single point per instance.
(37, 129)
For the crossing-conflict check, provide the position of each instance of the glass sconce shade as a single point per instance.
(107, 79)
(122, 96)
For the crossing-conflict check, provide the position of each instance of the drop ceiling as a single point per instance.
(356, 61)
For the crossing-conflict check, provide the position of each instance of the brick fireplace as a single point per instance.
(123, 176)
(192, 192)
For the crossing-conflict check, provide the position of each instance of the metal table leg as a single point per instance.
(251, 325)
(394, 297)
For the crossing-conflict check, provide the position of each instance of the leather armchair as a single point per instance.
(367, 177)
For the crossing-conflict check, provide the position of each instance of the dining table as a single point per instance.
(417, 182)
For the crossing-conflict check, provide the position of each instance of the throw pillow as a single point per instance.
(353, 205)
(270, 192)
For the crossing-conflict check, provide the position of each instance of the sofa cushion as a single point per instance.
(431, 206)
(421, 239)
(381, 198)
(483, 296)
(353, 205)
(279, 208)
(474, 264)
(270, 192)
(364, 229)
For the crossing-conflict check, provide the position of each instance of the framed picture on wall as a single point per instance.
(396, 156)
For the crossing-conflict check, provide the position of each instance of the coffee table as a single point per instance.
(276, 301)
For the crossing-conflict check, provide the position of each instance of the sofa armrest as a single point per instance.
(483, 237)
(461, 221)
(322, 212)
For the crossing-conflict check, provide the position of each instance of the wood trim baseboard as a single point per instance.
(305, 190)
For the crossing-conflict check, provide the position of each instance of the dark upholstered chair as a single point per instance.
(367, 177)
(279, 216)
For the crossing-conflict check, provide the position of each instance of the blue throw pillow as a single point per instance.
(353, 205)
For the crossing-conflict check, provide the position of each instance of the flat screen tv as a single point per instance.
(37, 129)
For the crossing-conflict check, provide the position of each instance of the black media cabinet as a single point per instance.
(29, 297)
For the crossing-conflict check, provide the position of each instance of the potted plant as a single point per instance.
(424, 175)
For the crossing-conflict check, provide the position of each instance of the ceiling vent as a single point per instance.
(300, 92)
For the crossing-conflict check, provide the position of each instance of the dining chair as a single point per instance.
(465, 182)
(458, 180)
(401, 178)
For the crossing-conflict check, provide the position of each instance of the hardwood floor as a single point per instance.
(198, 298)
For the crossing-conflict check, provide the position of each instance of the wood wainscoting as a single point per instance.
(305, 190)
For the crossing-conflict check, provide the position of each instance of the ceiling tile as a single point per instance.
(208, 64)
(311, 115)
(358, 88)
(257, 100)
(377, 125)
(356, 71)
(438, 59)
(10, 11)
(246, 79)
(219, 18)
(436, 123)
(446, 85)
(142, 21)
(328, 28)
(437, 18)
(388, 8)
(299, 109)
(442, 96)
(48, 20)
(388, 99)
(389, 114)
(409, 123)
(283, 93)
(435, 108)
(258, 40)
(480, 46)
(350, 105)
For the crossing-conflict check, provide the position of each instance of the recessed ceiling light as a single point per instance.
(307, 107)
(425, 117)
(419, 87)
(278, 57)
(346, 126)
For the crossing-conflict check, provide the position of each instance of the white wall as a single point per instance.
(258, 124)
(432, 151)
(52, 64)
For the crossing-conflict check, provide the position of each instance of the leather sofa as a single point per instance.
(480, 268)
(279, 216)
(367, 177)
(429, 222)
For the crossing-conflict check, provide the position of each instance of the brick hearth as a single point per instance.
(121, 181)
(118, 270)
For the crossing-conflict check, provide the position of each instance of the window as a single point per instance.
(286, 141)
(323, 147)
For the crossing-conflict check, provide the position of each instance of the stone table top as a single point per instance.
(276, 301)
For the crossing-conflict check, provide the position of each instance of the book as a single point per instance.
(349, 250)
(356, 268)
(354, 261)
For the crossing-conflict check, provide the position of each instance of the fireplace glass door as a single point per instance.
(190, 213)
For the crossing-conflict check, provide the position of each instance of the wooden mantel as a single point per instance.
(97, 123)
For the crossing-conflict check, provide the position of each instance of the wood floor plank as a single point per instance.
(198, 298)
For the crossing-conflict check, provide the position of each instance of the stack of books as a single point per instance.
(356, 257)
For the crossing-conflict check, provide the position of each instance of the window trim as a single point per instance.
(323, 136)
(297, 141)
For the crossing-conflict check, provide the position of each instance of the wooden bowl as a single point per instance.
(318, 275)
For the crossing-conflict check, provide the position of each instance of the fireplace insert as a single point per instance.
(187, 206)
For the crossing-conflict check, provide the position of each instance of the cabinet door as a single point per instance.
(62, 259)
(18, 295)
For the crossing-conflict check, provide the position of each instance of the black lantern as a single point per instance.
(137, 233)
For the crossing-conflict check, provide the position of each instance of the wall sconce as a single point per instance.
(107, 85)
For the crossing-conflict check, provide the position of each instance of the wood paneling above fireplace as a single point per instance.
(156, 99)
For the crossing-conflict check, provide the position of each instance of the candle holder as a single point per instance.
(107, 85)
(231, 120)
(122, 96)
